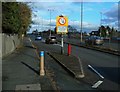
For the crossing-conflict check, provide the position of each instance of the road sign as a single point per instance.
(62, 24)
(62, 21)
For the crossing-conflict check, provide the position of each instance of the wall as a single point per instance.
(9, 44)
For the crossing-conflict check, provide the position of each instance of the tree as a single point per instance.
(10, 17)
(108, 29)
(102, 31)
(85, 33)
(16, 17)
(25, 17)
(55, 30)
(113, 32)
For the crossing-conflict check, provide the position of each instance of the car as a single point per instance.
(94, 40)
(38, 37)
(51, 39)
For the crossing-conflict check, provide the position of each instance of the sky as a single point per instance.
(95, 13)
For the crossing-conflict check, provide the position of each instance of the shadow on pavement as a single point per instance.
(30, 47)
(28, 54)
(37, 72)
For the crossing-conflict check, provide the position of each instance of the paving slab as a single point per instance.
(28, 87)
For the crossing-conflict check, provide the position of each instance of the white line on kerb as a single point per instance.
(96, 71)
(81, 66)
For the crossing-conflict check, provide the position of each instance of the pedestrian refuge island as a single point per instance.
(70, 63)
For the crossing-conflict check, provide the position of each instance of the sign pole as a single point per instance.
(62, 46)
(62, 28)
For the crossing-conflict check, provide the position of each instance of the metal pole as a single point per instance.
(62, 49)
(50, 19)
(100, 23)
(50, 22)
(73, 27)
(42, 28)
(81, 19)
(42, 23)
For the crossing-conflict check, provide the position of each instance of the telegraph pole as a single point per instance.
(81, 20)
(50, 19)
(100, 22)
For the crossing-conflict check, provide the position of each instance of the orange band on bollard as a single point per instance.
(42, 72)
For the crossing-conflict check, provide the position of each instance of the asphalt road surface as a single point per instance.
(107, 44)
(106, 64)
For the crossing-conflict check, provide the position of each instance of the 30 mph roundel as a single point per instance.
(62, 21)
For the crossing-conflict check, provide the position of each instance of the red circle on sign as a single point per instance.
(60, 20)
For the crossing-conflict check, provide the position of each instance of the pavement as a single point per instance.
(20, 70)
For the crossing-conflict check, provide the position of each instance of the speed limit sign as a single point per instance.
(62, 21)
(62, 24)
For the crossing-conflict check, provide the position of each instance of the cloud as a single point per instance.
(44, 24)
(108, 20)
(112, 14)
(71, 9)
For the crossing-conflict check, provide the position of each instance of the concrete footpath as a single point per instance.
(20, 70)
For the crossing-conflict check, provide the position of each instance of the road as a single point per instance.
(105, 64)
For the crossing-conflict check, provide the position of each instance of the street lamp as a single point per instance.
(100, 22)
(50, 10)
(81, 19)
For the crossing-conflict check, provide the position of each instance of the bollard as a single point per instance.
(42, 72)
(69, 49)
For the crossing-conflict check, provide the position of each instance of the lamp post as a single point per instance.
(81, 19)
(100, 22)
(42, 28)
(73, 27)
(50, 10)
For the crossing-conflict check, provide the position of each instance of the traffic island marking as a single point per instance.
(71, 63)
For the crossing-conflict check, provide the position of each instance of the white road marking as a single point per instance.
(57, 44)
(97, 84)
(30, 39)
(43, 40)
(81, 66)
(96, 71)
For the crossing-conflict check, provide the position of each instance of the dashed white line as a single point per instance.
(96, 71)
(97, 84)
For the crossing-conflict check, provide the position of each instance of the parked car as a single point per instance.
(94, 40)
(51, 39)
(38, 37)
